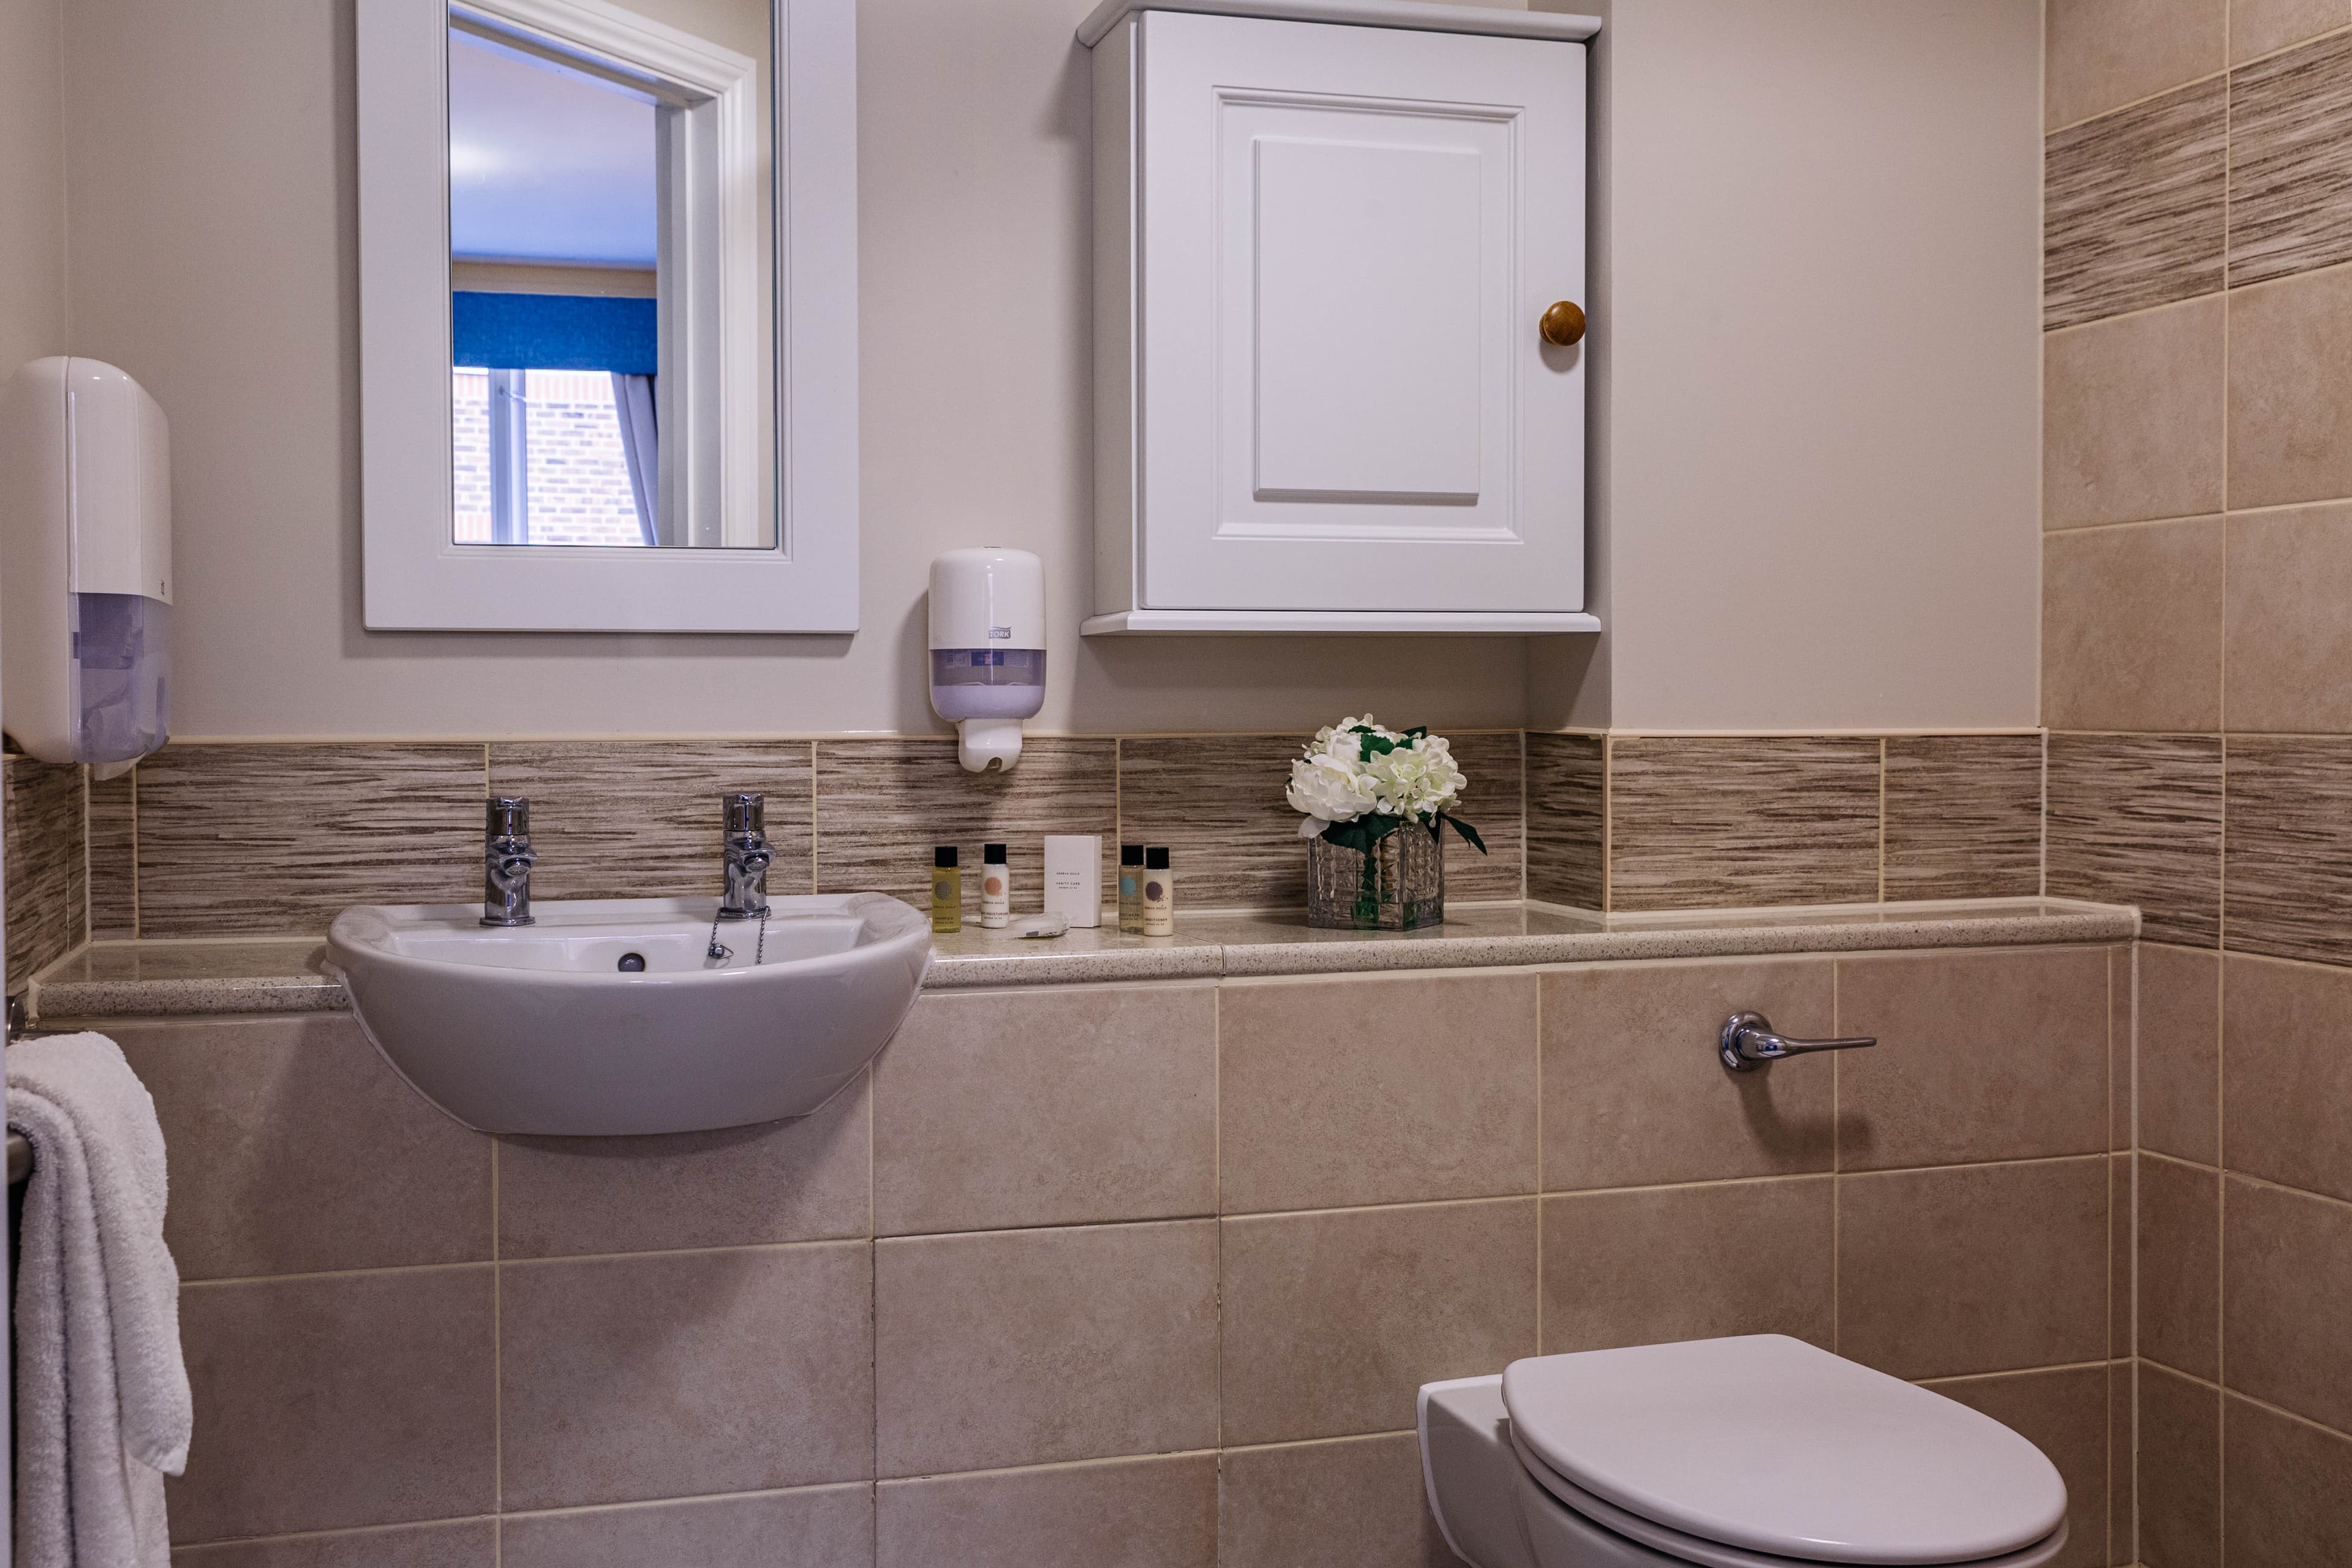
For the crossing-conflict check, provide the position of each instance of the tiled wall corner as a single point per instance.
(1697, 821)
(2197, 655)
(48, 849)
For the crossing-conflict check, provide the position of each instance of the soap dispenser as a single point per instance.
(988, 649)
(85, 565)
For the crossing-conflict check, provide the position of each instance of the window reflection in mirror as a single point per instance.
(610, 227)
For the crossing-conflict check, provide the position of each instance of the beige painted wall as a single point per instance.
(1816, 368)
(213, 221)
(32, 186)
(214, 226)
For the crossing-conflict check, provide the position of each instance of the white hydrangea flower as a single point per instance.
(1336, 781)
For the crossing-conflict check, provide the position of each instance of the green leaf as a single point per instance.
(1467, 832)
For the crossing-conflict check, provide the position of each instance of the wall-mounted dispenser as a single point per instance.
(85, 565)
(988, 648)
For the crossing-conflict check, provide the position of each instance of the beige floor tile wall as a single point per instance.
(2197, 653)
(1140, 1274)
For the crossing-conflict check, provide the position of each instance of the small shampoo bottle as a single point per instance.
(1130, 890)
(1159, 894)
(995, 887)
(947, 890)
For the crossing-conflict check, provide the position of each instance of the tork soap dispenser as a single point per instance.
(85, 565)
(988, 648)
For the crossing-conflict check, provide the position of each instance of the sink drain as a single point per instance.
(631, 963)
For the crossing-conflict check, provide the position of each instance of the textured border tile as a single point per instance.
(1567, 819)
(2136, 819)
(1963, 816)
(237, 838)
(2133, 207)
(1493, 802)
(48, 891)
(2291, 162)
(114, 857)
(881, 804)
(1698, 821)
(2288, 870)
(641, 819)
(1217, 802)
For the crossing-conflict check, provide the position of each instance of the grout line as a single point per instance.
(1837, 1165)
(497, 1351)
(813, 885)
(1217, 1196)
(1539, 1168)
(1608, 824)
(2240, 1395)
(872, 1313)
(2014, 1372)
(1882, 819)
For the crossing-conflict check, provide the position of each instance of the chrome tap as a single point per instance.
(507, 860)
(744, 843)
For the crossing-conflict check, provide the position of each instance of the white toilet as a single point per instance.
(1754, 1452)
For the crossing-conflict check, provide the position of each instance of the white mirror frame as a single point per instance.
(416, 576)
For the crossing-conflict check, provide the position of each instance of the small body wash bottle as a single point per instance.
(947, 890)
(1159, 894)
(995, 887)
(1130, 890)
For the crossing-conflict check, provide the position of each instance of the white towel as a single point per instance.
(103, 1406)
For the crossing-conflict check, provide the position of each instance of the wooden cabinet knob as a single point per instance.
(1563, 323)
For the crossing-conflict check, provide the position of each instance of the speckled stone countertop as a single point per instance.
(148, 979)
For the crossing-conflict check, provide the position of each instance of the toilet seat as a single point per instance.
(1762, 1450)
(1558, 1492)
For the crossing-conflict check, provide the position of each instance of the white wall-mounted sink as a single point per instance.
(541, 1030)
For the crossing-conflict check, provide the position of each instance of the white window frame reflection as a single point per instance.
(708, 267)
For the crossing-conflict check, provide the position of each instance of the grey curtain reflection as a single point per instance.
(632, 404)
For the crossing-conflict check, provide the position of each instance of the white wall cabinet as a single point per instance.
(1322, 251)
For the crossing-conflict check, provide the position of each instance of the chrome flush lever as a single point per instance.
(1748, 1043)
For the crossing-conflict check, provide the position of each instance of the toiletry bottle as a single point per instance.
(947, 890)
(1159, 894)
(995, 887)
(1130, 890)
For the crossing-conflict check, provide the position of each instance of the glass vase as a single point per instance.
(1402, 888)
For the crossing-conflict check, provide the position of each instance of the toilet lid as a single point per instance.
(1766, 1443)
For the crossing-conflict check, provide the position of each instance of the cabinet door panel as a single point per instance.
(1364, 320)
(1346, 236)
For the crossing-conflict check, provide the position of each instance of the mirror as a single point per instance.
(609, 217)
(590, 280)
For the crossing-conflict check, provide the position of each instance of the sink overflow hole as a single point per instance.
(632, 963)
